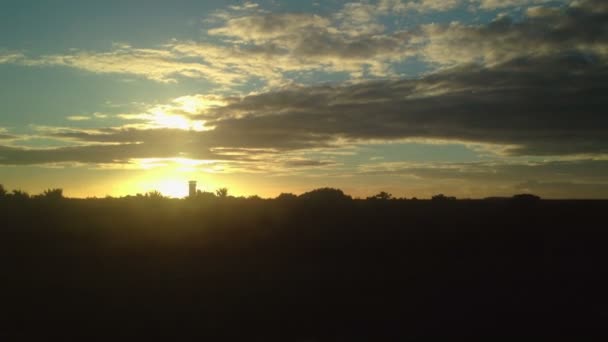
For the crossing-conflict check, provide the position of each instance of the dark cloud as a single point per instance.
(545, 105)
(234, 133)
(593, 171)
(307, 163)
(581, 27)
(593, 6)
(94, 154)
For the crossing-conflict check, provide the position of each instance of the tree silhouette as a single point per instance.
(381, 196)
(526, 197)
(286, 197)
(52, 194)
(442, 197)
(2, 191)
(325, 194)
(155, 194)
(222, 192)
(203, 195)
(20, 194)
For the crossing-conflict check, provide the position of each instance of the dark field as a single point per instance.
(297, 269)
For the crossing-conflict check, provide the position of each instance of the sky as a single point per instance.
(470, 98)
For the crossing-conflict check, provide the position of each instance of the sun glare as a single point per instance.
(169, 176)
(198, 104)
(172, 188)
(161, 119)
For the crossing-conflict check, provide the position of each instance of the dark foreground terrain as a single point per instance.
(297, 269)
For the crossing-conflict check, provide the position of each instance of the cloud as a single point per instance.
(594, 6)
(160, 65)
(95, 154)
(530, 106)
(507, 171)
(356, 12)
(296, 42)
(579, 29)
(264, 27)
(148, 149)
(532, 87)
(247, 5)
(78, 118)
(6, 136)
(10, 57)
(252, 44)
(498, 4)
(401, 6)
(354, 41)
(540, 106)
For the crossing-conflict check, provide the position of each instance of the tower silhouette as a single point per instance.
(192, 188)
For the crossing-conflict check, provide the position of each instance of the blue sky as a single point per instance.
(468, 97)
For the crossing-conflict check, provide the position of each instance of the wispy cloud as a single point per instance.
(499, 4)
(406, 6)
(161, 64)
(78, 118)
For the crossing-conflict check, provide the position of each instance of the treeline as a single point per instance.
(53, 193)
(223, 193)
